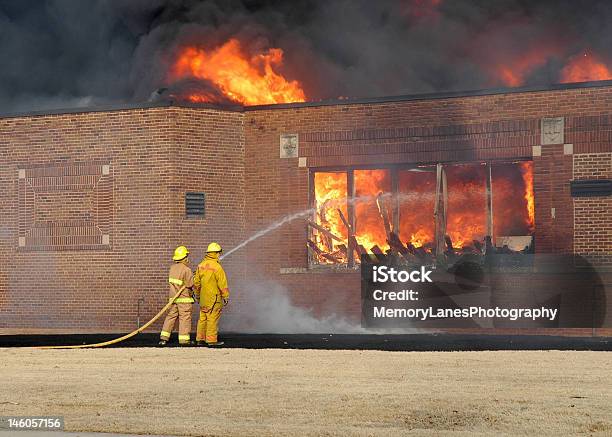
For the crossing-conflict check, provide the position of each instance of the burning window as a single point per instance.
(513, 204)
(417, 189)
(466, 216)
(418, 213)
(373, 216)
(328, 241)
(510, 220)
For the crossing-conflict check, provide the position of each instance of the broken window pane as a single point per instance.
(513, 207)
(417, 190)
(466, 217)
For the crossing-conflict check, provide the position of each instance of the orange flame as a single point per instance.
(251, 81)
(514, 76)
(369, 227)
(585, 68)
(417, 199)
(331, 196)
(527, 172)
(513, 201)
(514, 70)
(466, 216)
(513, 206)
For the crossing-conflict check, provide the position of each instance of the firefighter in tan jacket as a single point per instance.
(180, 276)
(211, 290)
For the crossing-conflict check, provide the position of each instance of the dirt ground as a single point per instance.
(306, 392)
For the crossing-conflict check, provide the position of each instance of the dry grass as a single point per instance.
(299, 392)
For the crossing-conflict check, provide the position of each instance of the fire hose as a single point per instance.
(125, 337)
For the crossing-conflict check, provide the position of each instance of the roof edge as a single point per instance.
(330, 102)
(437, 96)
(122, 107)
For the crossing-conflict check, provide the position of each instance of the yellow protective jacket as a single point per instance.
(210, 283)
(180, 275)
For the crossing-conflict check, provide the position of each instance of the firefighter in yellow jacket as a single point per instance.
(211, 290)
(180, 275)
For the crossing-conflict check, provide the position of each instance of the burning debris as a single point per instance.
(421, 214)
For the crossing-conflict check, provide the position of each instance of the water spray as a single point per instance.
(305, 213)
(270, 228)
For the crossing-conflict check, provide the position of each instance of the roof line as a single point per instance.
(331, 102)
(436, 96)
(123, 107)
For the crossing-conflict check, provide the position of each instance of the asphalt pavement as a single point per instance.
(391, 342)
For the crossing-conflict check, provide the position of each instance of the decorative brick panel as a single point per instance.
(65, 207)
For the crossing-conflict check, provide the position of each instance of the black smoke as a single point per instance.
(64, 53)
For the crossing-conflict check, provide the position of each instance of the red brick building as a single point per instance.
(93, 201)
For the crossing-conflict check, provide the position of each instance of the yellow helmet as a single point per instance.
(180, 253)
(214, 247)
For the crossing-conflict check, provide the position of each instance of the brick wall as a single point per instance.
(553, 203)
(95, 200)
(93, 205)
(65, 287)
(209, 150)
(593, 215)
(496, 127)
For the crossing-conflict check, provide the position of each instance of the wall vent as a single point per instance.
(591, 187)
(195, 204)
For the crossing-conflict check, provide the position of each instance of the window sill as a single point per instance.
(319, 269)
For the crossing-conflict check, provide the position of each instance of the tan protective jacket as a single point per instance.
(178, 276)
(210, 283)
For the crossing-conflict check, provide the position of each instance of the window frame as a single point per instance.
(394, 170)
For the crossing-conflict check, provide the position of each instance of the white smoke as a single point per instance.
(267, 308)
(46, 103)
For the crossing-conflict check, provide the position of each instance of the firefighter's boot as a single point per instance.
(216, 344)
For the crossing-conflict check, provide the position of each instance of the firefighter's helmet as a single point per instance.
(214, 247)
(180, 253)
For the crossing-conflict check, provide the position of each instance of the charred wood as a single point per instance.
(324, 231)
(376, 250)
(449, 245)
